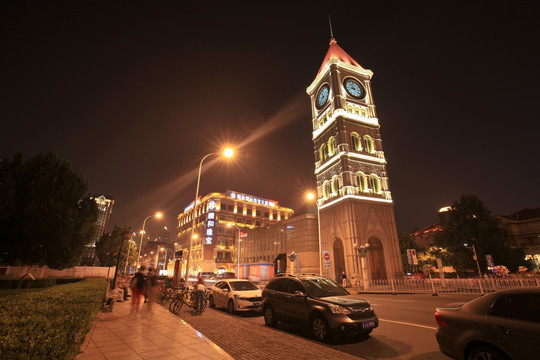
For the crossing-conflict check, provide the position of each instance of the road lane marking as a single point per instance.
(411, 324)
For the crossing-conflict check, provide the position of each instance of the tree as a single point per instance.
(108, 246)
(406, 242)
(45, 218)
(470, 223)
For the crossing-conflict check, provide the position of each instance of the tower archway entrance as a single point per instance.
(375, 258)
(339, 260)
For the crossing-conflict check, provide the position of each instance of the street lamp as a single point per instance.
(157, 215)
(362, 252)
(238, 257)
(311, 197)
(129, 247)
(228, 153)
(475, 257)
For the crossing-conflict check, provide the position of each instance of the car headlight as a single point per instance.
(337, 309)
(238, 297)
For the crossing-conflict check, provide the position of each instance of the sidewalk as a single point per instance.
(158, 335)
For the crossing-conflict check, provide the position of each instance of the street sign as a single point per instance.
(326, 259)
(489, 260)
(411, 257)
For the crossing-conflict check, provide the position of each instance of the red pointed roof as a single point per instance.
(336, 52)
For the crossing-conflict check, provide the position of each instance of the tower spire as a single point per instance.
(331, 31)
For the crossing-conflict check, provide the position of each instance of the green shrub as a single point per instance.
(49, 324)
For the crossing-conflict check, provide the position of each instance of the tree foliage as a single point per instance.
(406, 242)
(470, 223)
(108, 246)
(45, 217)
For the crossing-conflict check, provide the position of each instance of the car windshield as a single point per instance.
(243, 286)
(322, 287)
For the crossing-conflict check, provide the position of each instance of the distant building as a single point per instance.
(105, 205)
(215, 249)
(524, 229)
(275, 243)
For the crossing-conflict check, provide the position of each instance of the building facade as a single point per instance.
(354, 200)
(105, 205)
(275, 243)
(524, 230)
(221, 220)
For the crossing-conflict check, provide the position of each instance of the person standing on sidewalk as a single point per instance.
(200, 290)
(137, 285)
(343, 279)
(151, 288)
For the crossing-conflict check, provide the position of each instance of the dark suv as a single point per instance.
(317, 302)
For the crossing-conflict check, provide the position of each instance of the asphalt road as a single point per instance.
(406, 331)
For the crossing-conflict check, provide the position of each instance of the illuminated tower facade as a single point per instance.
(354, 200)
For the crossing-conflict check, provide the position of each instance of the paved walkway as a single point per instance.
(157, 335)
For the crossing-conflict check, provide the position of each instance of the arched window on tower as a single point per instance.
(331, 146)
(326, 189)
(375, 183)
(335, 185)
(361, 181)
(356, 142)
(323, 153)
(368, 144)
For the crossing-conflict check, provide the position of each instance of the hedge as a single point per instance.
(49, 324)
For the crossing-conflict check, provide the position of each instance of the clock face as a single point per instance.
(323, 96)
(355, 89)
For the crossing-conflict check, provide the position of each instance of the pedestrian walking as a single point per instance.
(200, 290)
(137, 285)
(151, 289)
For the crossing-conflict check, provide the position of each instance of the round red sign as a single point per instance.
(326, 256)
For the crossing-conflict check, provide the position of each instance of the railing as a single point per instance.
(46, 272)
(458, 286)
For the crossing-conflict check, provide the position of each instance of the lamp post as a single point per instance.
(475, 257)
(129, 247)
(238, 257)
(228, 152)
(311, 196)
(157, 215)
(362, 253)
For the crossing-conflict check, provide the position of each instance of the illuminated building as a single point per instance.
(275, 243)
(353, 194)
(105, 204)
(215, 248)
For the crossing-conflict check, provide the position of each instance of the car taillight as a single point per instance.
(439, 319)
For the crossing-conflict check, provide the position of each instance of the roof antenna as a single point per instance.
(331, 31)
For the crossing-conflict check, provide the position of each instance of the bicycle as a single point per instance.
(187, 296)
(166, 294)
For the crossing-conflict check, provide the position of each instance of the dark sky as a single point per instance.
(134, 94)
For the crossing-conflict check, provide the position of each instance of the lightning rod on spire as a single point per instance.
(331, 31)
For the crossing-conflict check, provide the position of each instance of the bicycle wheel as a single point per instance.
(177, 306)
(171, 305)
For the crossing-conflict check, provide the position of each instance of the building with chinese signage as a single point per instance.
(221, 220)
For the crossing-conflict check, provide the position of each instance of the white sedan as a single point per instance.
(235, 295)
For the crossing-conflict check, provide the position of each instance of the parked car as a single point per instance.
(501, 325)
(317, 302)
(235, 295)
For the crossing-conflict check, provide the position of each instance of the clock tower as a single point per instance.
(355, 206)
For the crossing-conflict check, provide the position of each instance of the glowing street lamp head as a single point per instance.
(159, 214)
(228, 152)
(310, 196)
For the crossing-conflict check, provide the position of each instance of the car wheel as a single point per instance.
(269, 316)
(484, 352)
(211, 301)
(230, 307)
(320, 328)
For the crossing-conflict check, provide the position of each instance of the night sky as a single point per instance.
(135, 94)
